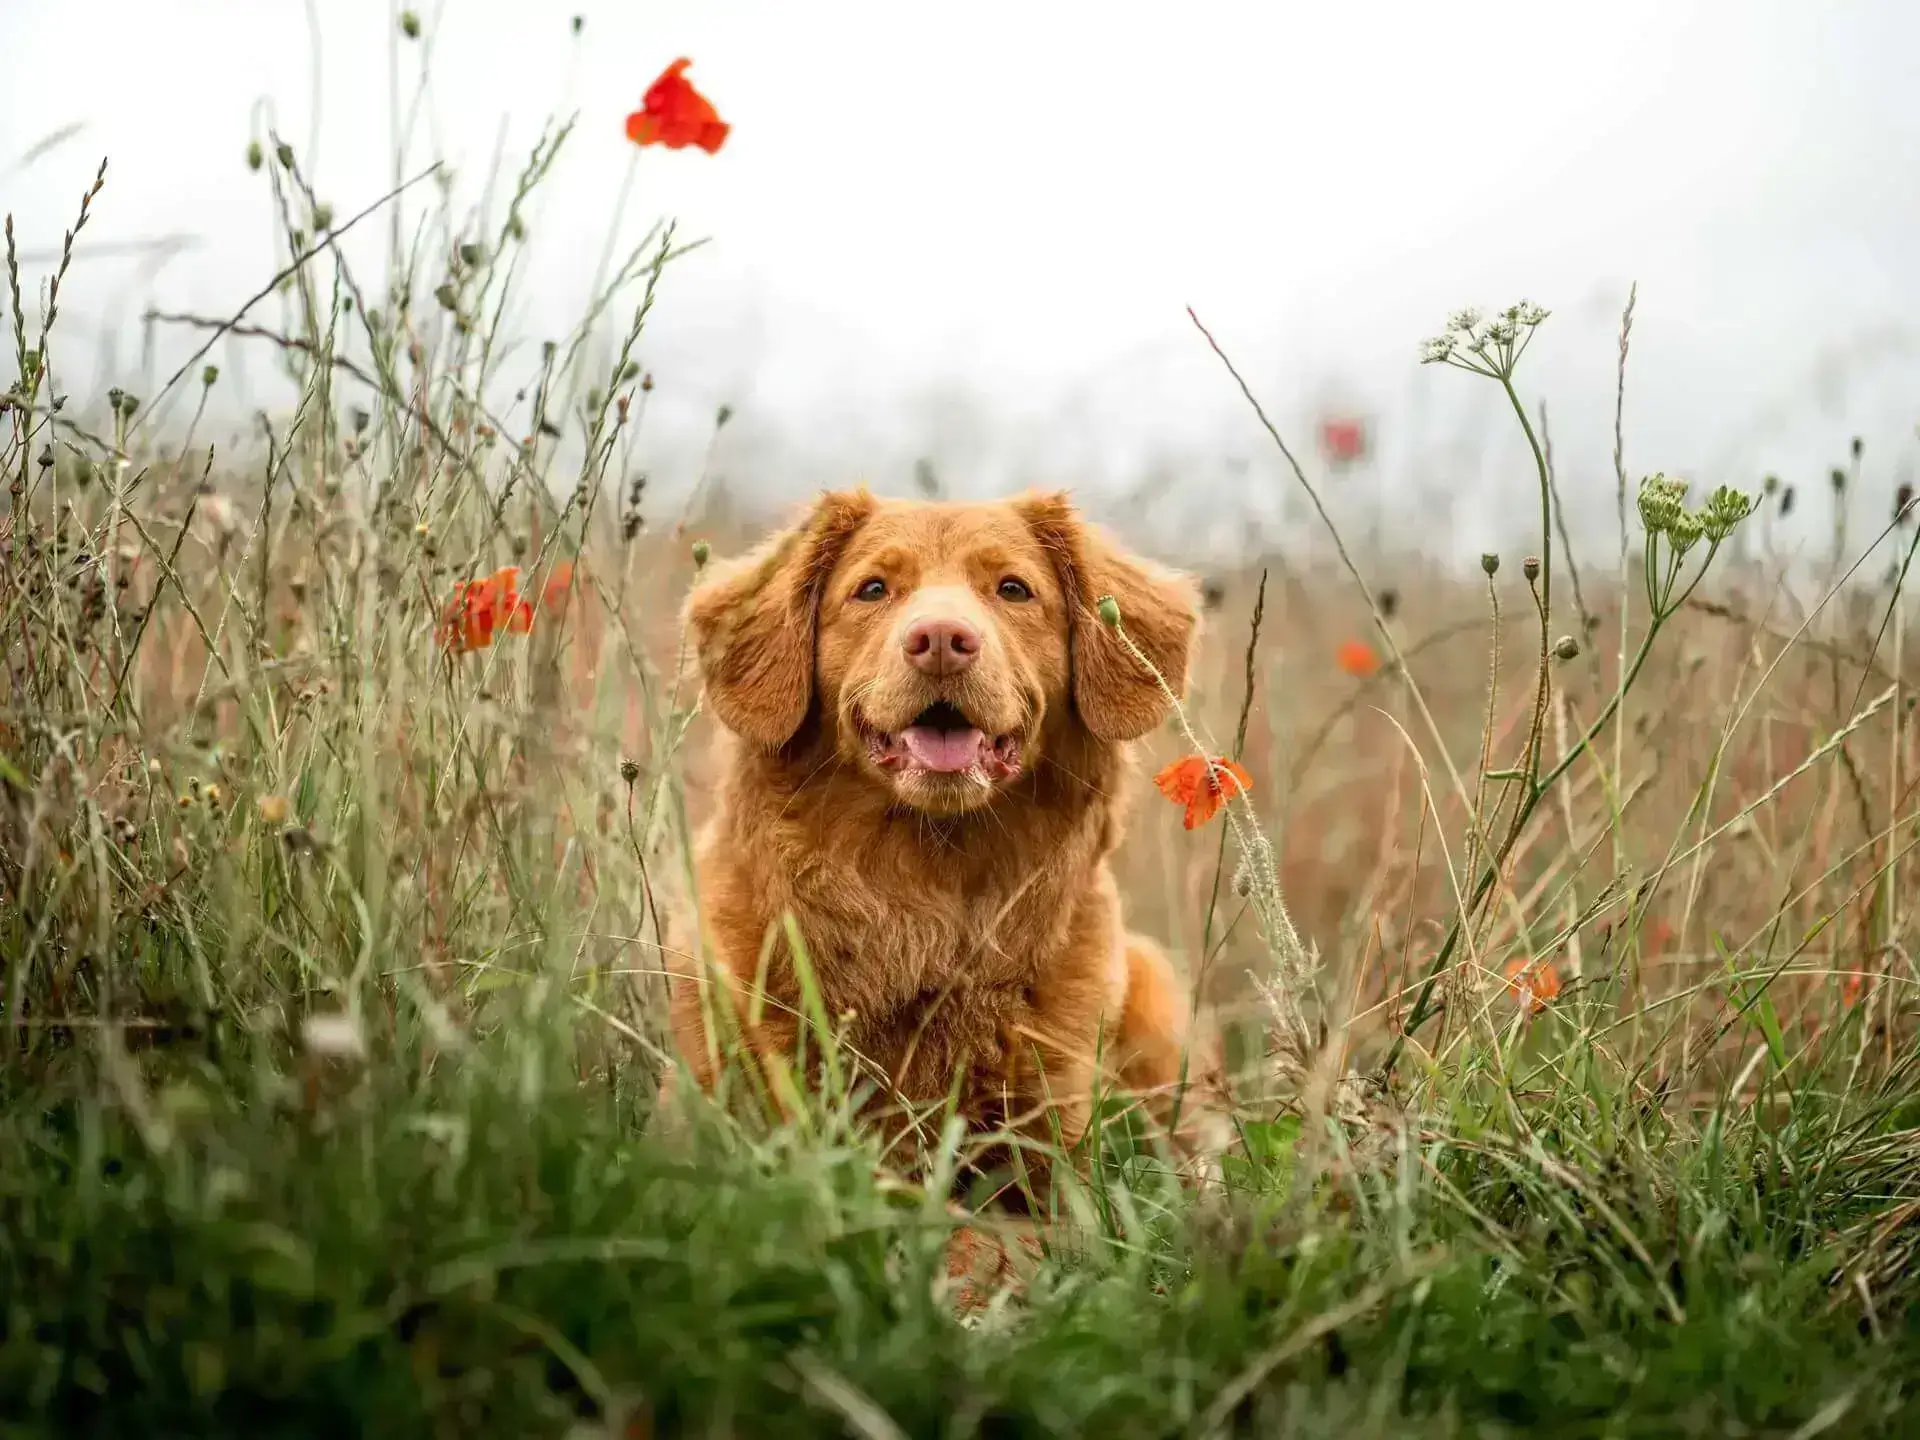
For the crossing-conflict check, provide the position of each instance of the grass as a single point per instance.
(332, 958)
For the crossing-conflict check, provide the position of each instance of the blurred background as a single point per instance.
(961, 242)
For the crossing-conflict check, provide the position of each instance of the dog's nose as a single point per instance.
(941, 645)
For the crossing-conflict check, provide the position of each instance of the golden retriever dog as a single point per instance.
(928, 729)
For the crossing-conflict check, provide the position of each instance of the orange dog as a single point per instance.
(928, 736)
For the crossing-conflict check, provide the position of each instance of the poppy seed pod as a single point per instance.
(1108, 609)
(1530, 567)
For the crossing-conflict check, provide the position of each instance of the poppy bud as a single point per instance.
(1566, 647)
(1109, 611)
(409, 24)
(322, 216)
(129, 404)
(1771, 485)
(701, 552)
(629, 771)
(724, 414)
(1530, 567)
(1858, 446)
(283, 152)
(1490, 563)
(1838, 479)
(578, 23)
(1786, 502)
(445, 294)
(255, 157)
(209, 375)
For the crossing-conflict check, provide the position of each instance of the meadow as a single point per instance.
(1561, 946)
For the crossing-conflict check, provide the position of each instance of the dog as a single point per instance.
(927, 731)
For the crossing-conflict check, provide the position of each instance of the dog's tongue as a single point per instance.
(946, 751)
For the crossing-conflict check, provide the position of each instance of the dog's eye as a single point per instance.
(871, 589)
(1012, 589)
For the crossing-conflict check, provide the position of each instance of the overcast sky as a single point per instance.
(974, 230)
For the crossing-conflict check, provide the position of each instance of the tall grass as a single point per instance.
(332, 954)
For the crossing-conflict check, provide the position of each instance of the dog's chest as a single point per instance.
(881, 946)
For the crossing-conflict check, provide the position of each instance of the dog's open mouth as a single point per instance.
(943, 741)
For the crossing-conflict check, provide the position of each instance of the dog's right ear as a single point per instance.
(753, 619)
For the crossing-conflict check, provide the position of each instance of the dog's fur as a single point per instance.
(958, 924)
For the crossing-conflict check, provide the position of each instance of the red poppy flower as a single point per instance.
(1202, 786)
(1343, 441)
(482, 608)
(1534, 983)
(674, 114)
(1356, 657)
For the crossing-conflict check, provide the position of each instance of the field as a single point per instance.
(1562, 947)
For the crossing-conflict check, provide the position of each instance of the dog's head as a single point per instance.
(940, 649)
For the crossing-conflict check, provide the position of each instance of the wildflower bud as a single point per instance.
(1771, 485)
(255, 156)
(1109, 611)
(322, 216)
(1858, 446)
(272, 808)
(646, 382)
(629, 771)
(1566, 647)
(596, 398)
(283, 152)
(409, 24)
(578, 23)
(471, 254)
(516, 228)
(46, 457)
(1838, 479)
(1530, 567)
(446, 295)
(211, 795)
(183, 800)
(129, 404)
(722, 416)
(209, 376)
(113, 399)
(1490, 563)
(1389, 603)
(1903, 501)
(1786, 502)
(701, 552)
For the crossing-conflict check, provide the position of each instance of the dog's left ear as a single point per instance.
(1117, 697)
(753, 621)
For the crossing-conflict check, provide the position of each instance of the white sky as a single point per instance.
(972, 231)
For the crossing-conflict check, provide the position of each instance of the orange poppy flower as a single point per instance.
(481, 608)
(1202, 786)
(674, 114)
(1343, 440)
(1534, 983)
(1357, 658)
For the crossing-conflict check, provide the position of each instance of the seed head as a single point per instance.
(702, 552)
(629, 771)
(1490, 563)
(1530, 567)
(1725, 509)
(1108, 609)
(1566, 647)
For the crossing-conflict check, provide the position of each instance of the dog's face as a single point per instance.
(943, 649)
